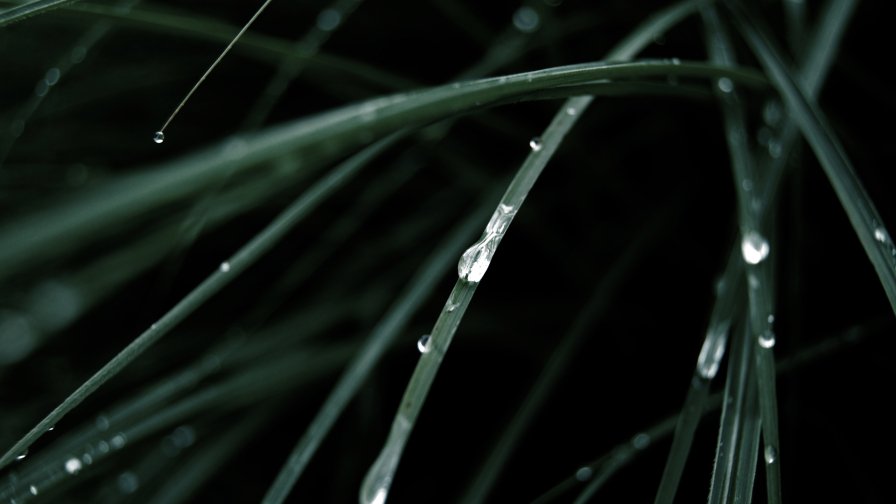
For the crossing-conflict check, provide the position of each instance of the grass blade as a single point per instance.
(30, 9)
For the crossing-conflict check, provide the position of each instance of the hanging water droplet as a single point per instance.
(22, 455)
(526, 19)
(535, 144)
(158, 137)
(475, 260)
(584, 473)
(329, 19)
(33, 490)
(771, 454)
(225, 267)
(423, 343)
(641, 440)
(375, 487)
(880, 234)
(754, 247)
(725, 85)
(767, 339)
(73, 466)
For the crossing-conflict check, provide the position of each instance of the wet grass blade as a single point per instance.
(30, 9)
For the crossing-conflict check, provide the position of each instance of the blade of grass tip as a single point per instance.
(830, 346)
(30, 9)
(729, 299)
(159, 135)
(328, 20)
(594, 309)
(226, 272)
(418, 289)
(756, 250)
(475, 261)
(860, 210)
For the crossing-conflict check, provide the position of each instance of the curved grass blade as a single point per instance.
(475, 261)
(30, 9)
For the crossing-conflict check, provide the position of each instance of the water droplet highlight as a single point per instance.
(535, 144)
(570, 111)
(423, 344)
(713, 350)
(475, 260)
(880, 234)
(225, 267)
(33, 490)
(329, 19)
(771, 454)
(725, 85)
(754, 247)
(767, 339)
(526, 19)
(641, 440)
(584, 473)
(158, 137)
(770, 319)
(118, 441)
(22, 455)
(73, 466)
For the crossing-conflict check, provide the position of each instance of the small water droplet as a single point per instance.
(158, 137)
(775, 149)
(52, 427)
(423, 343)
(771, 319)
(641, 440)
(329, 19)
(584, 473)
(713, 350)
(526, 19)
(33, 490)
(225, 267)
(87, 458)
(102, 447)
(767, 339)
(880, 234)
(22, 455)
(73, 466)
(771, 454)
(754, 247)
(128, 482)
(535, 144)
(118, 440)
(52, 76)
(725, 85)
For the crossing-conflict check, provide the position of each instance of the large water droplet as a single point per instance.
(754, 247)
(767, 339)
(535, 144)
(771, 454)
(475, 260)
(423, 343)
(725, 85)
(526, 19)
(158, 137)
(73, 466)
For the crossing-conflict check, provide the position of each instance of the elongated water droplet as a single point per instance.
(771, 454)
(158, 137)
(475, 260)
(713, 350)
(423, 343)
(767, 339)
(73, 466)
(535, 144)
(33, 490)
(225, 267)
(376, 484)
(725, 85)
(754, 247)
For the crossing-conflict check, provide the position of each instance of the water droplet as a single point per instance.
(33, 490)
(535, 144)
(78, 54)
(771, 454)
(767, 339)
(52, 427)
(584, 473)
(329, 19)
(128, 482)
(118, 440)
(450, 306)
(73, 466)
(52, 76)
(375, 487)
(22, 455)
(725, 85)
(526, 19)
(713, 350)
(771, 113)
(158, 137)
(475, 260)
(423, 343)
(570, 111)
(675, 61)
(753, 281)
(225, 267)
(641, 440)
(771, 319)
(754, 247)
(87, 458)
(102, 447)
(880, 234)
(775, 149)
